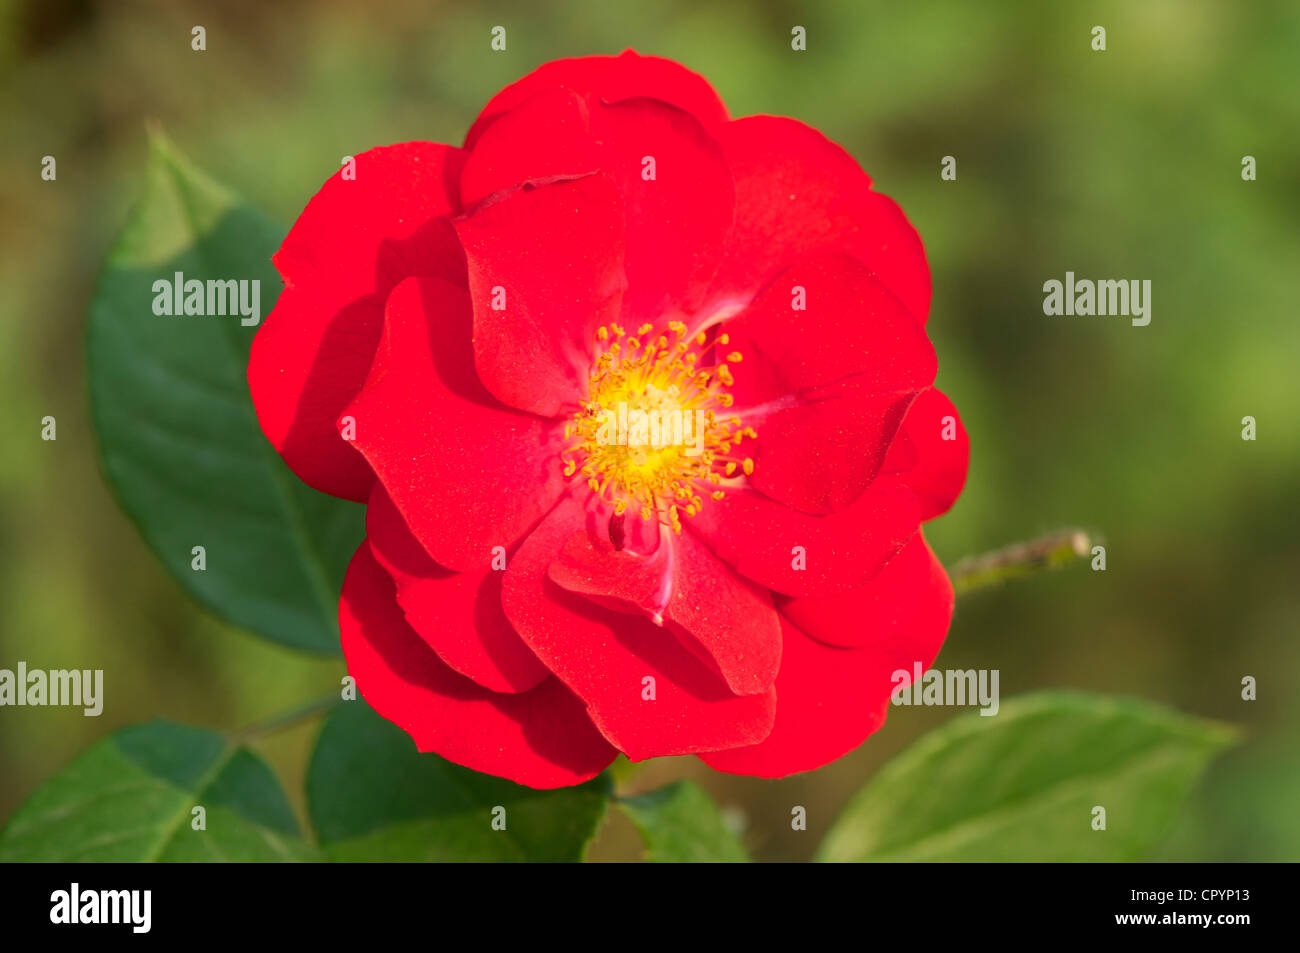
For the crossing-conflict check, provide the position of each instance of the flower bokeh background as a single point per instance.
(1116, 164)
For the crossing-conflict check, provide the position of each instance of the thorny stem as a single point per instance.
(288, 718)
(1019, 559)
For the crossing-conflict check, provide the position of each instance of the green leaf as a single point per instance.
(179, 441)
(680, 823)
(373, 797)
(1022, 785)
(130, 797)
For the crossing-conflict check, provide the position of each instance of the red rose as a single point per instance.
(492, 329)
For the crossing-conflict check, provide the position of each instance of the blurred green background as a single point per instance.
(1116, 164)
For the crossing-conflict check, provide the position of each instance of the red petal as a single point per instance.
(731, 618)
(831, 699)
(722, 617)
(883, 608)
(762, 538)
(604, 656)
(636, 579)
(355, 240)
(611, 78)
(541, 738)
(930, 463)
(458, 614)
(820, 456)
(827, 386)
(850, 326)
(466, 473)
(553, 255)
(556, 124)
(798, 193)
(677, 222)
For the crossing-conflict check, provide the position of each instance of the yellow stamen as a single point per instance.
(680, 444)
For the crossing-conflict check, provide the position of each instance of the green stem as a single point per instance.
(1019, 559)
(287, 719)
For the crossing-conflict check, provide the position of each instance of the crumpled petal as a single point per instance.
(798, 193)
(466, 473)
(545, 270)
(648, 695)
(458, 614)
(830, 699)
(931, 453)
(353, 243)
(611, 79)
(828, 398)
(799, 554)
(541, 738)
(886, 608)
(719, 615)
(675, 185)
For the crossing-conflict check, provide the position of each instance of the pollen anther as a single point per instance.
(649, 434)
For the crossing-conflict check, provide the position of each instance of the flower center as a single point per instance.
(650, 434)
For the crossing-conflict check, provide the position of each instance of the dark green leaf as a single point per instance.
(680, 823)
(373, 797)
(131, 798)
(1022, 785)
(179, 440)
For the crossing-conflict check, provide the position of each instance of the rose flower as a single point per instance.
(639, 398)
